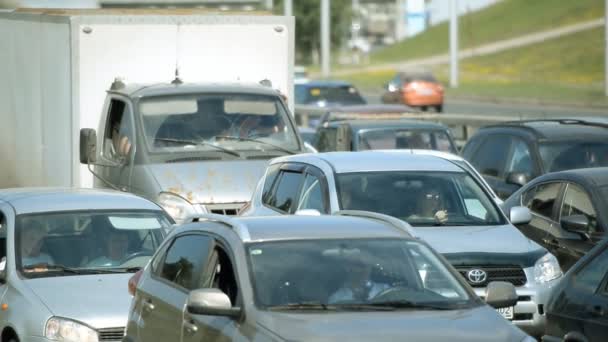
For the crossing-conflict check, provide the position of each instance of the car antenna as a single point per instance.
(177, 80)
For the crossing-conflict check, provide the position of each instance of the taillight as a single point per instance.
(133, 281)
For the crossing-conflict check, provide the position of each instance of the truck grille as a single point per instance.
(512, 274)
(230, 209)
(111, 334)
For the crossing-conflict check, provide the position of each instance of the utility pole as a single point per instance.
(325, 38)
(288, 7)
(454, 43)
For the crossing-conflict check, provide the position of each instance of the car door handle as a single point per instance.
(148, 306)
(190, 328)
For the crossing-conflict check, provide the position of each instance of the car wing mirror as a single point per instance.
(576, 224)
(517, 178)
(88, 146)
(211, 302)
(3, 270)
(501, 294)
(520, 215)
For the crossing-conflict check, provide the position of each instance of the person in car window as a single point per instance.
(117, 244)
(430, 206)
(357, 287)
(32, 234)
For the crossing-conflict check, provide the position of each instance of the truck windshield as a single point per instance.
(235, 122)
(420, 198)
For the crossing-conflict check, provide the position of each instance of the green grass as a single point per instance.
(506, 19)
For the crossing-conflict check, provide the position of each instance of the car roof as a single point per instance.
(37, 200)
(560, 129)
(296, 227)
(373, 109)
(160, 89)
(377, 161)
(389, 124)
(325, 83)
(593, 177)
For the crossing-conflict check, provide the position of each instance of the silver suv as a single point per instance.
(445, 202)
(354, 277)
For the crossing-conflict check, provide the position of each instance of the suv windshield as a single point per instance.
(381, 139)
(344, 95)
(216, 122)
(420, 198)
(82, 242)
(567, 155)
(341, 273)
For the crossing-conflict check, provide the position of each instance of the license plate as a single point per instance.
(426, 92)
(507, 313)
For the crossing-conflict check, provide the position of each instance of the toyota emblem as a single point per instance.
(477, 276)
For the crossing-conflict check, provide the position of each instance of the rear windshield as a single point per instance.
(344, 95)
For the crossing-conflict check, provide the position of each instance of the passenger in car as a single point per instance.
(430, 206)
(117, 244)
(32, 234)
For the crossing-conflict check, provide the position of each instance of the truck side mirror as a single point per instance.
(88, 146)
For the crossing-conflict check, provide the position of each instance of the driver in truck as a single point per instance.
(117, 243)
(358, 285)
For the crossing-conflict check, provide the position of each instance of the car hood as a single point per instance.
(210, 181)
(478, 324)
(100, 301)
(476, 239)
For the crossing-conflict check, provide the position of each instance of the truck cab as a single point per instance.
(192, 148)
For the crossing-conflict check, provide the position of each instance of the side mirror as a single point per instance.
(576, 224)
(309, 148)
(501, 294)
(211, 302)
(88, 146)
(520, 215)
(517, 178)
(3, 270)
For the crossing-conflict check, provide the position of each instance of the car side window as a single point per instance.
(118, 135)
(326, 141)
(541, 199)
(271, 176)
(286, 191)
(312, 195)
(521, 160)
(590, 277)
(185, 260)
(578, 202)
(221, 274)
(490, 156)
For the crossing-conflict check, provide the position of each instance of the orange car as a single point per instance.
(415, 89)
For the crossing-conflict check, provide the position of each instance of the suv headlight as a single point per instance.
(62, 329)
(176, 206)
(547, 268)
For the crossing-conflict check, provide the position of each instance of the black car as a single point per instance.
(327, 93)
(511, 154)
(578, 308)
(569, 211)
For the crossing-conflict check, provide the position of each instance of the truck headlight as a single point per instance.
(62, 329)
(547, 268)
(176, 206)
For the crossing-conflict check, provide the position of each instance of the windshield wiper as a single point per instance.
(45, 267)
(282, 149)
(303, 306)
(201, 143)
(405, 304)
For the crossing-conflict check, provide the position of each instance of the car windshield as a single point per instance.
(344, 95)
(346, 272)
(216, 122)
(420, 198)
(381, 139)
(567, 155)
(82, 242)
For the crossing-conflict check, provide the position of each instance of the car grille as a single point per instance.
(230, 209)
(512, 274)
(111, 334)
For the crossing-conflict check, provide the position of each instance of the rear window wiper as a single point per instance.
(283, 149)
(201, 143)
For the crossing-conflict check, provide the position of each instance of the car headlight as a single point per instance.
(547, 268)
(176, 206)
(62, 329)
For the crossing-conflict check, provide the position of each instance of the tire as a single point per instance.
(439, 108)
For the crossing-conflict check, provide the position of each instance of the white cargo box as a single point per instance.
(55, 67)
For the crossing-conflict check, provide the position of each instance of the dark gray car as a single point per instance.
(309, 278)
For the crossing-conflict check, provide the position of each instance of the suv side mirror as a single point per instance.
(501, 294)
(576, 224)
(212, 302)
(520, 215)
(88, 146)
(517, 178)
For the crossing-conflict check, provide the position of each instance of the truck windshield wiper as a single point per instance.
(303, 306)
(201, 143)
(277, 147)
(405, 304)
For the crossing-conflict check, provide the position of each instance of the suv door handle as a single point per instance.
(148, 306)
(190, 328)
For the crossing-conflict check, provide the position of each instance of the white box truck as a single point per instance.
(57, 69)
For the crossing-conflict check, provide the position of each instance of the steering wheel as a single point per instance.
(135, 255)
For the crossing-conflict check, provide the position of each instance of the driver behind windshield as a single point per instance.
(358, 285)
(116, 245)
(32, 234)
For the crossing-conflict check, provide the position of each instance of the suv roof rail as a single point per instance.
(393, 221)
(232, 223)
(563, 121)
